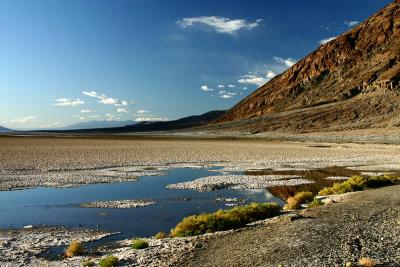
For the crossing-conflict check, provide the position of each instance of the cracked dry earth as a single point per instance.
(367, 224)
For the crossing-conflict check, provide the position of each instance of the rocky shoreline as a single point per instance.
(22, 247)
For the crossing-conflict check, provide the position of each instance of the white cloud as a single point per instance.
(231, 86)
(245, 88)
(142, 111)
(94, 94)
(324, 41)
(151, 119)
(122, 110)
(226, 95)
(24, 119)
(288, 62)
(109, 101)
(270, 74)
(351, 23)
(253, 79)
(206, 88)
(86, 111)
(106, 100)
(67, 102)
(219, 24)
(221, 86)
(123, 103)
(256, 79)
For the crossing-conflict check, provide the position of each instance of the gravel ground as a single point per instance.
(366, 224)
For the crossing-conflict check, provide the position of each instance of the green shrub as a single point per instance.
(108, 261)
(87, 263)
(224, 219)
(315, 203)
(359, 183)
(139, 244)
(294, 203)
(75, 249)
(161, 235)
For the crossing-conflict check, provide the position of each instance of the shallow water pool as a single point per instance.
(58, 206)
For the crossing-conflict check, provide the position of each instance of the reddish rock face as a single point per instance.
(361, 65)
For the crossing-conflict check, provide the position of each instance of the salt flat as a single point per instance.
(56, 161)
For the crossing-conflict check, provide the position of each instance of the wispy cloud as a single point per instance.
(288, 62)
(122, 110)
(256, 78)
(24, 119)
(86, 111)
(270, 74)
(324, 41)
(111, 117)
(219, 24)
(142, 111)
(351, 23)
(221, 86)
(105, 99)
(206, 88)
(226, 95)
(68, 102)
(151, 119)
(253, 79)
(231, 86)
(50, 125)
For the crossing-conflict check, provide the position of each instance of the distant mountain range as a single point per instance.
(351, 82)
(147, 126)
(97, 124)
(3, 129)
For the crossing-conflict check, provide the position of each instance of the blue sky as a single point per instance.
(67, 61)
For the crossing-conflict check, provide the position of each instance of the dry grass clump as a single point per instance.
(161, 235)
(315, 203)
(225, 219)
(75, 249)
(359, 183)
(294, 203)
(366, 262)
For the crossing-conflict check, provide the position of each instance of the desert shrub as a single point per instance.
(359, 183)
(294, 203)
(366, 262)
(315, 203)
(161, 235)
(87, 263)
(108, 261)
(75, 249)
(139, 244)
(224, 219)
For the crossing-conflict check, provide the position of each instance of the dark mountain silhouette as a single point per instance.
(97, 124)
(3, 129)
(148, 126)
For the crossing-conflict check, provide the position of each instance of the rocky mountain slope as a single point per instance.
(351, 82)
